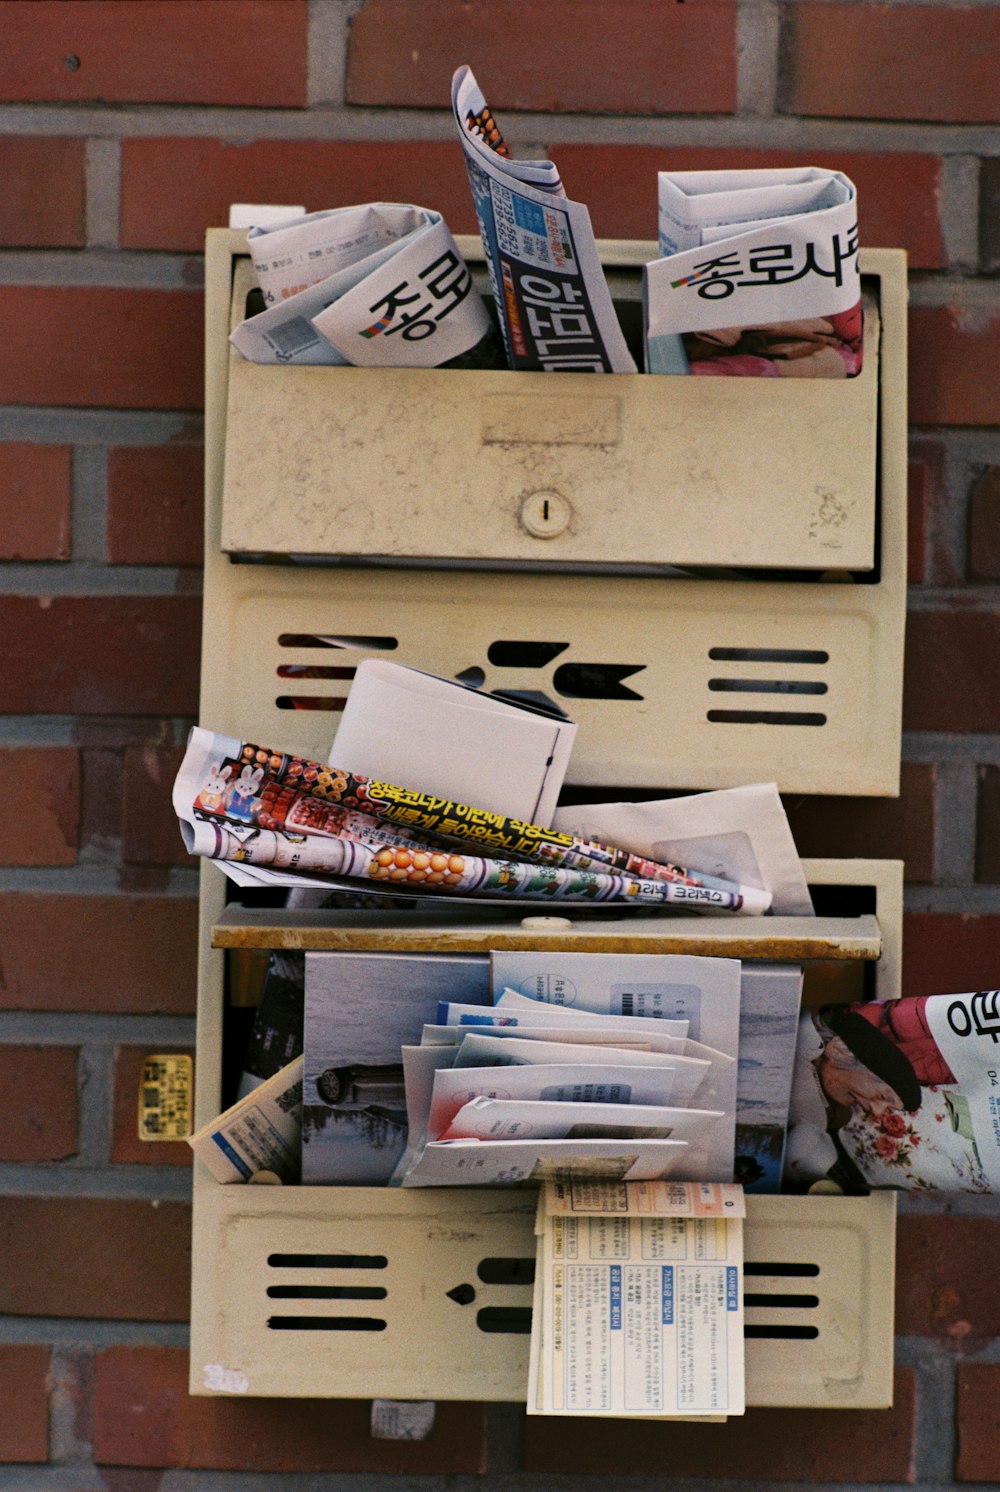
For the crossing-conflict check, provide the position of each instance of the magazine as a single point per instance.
(901, 1093)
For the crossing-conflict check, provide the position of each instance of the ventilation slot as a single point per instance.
(325, 640)
(781, 1302)
(767, 686)
(767, 655)
(782, 1333)
(327, 1261)
(326, 1323)
(507, 1271)
(595, 680)
(763, 717)
(782, 1271)
(313, 671)
(326, 1292)
(505, 1320)
(524, 654)
(309, 702)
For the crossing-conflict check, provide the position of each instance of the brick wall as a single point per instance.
(126, 129)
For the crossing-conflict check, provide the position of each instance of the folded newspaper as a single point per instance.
(759, 275)
(638, 1304)
(902, 1094)
(270, 818)
(552, 299)
(381, 285)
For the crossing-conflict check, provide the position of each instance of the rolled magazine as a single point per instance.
(409, 867)
(249, 790)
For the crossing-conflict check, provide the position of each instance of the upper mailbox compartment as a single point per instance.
(418, 466)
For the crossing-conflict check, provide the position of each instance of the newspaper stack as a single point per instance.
(553, 302)
(759, 275)
(638, 1305)
(527, 1091)
(382, 285)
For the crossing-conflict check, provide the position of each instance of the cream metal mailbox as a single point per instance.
(723, 603)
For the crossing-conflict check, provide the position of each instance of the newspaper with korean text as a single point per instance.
(272, 818)
(638, 1304)
(759, 275)
(552, 299)
(379, 285)
(902, 1093)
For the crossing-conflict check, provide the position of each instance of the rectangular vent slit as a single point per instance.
(768, 655)
(327, 1261)
(325, 640)
(782, 1333)
(308, 702)
(507, 1320)
(325, 1323)
(780, 1302)
(313, 671)
(764, 717)
(767, 686)
(784, 1270)
(326, 1292)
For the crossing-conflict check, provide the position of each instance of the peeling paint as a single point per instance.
(225, 1380)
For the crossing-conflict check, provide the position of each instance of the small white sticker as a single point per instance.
(402, 1419)
(225, 1380)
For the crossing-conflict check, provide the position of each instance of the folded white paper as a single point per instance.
(440, 737)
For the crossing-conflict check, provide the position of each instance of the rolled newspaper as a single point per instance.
(227, 780)
(410, 867)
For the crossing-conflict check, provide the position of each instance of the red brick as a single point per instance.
(101, 655)
(46, 831)
(104, 1258)
(610, 58)
(989, 214)
(953, 361)
(108, 954)
(156, 505)
(978, 1431)
(126, 1145)
(129, 349)
(38, 1102)
(901, 828)
(988, 826)
(984, 527)
(949, 952)
(917, 505)
(35, 491)
(931, 556)
(145, 1417)
(764, 1445)
(172, 190)
(150, 835)
(24, 1394)
(33, 218)
(898, 195)
(946, 1278)
(155, 51)
(950, 659)
(893, 61)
